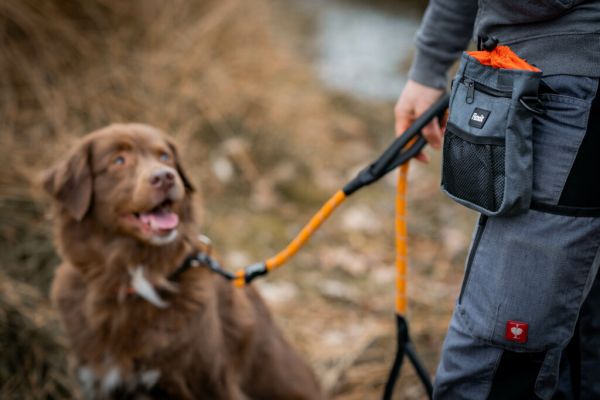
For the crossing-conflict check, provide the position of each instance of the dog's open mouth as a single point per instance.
(160, 220)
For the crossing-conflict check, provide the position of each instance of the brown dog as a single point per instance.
(123, 223)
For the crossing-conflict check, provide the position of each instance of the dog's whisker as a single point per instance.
(144, 289)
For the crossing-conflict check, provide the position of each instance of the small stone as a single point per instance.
(223, 169)
(276, 293)
(362, 219)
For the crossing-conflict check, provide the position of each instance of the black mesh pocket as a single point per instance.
(473, 168)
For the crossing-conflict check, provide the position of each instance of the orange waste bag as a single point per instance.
(502, 57)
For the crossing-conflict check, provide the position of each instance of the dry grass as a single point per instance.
(213, 73)
(32, 359)
(264, 142)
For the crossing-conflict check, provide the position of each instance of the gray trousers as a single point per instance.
(527, 321)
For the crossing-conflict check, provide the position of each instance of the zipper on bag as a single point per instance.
(473, 86)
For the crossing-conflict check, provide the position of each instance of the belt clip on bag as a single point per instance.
(487, 154)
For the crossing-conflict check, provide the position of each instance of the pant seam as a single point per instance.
(494, 371)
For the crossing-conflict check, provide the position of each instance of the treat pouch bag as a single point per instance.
(487, 152)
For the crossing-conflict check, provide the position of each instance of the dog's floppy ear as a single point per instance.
(186, 181)
(70, 182)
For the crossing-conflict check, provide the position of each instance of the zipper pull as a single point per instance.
(470, 90)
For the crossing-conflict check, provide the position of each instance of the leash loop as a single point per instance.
(404, 147)
(404, 345)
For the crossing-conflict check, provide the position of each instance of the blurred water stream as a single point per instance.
(362, 47)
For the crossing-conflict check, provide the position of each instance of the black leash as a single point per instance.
(398, 153)
(402, 149)
(405, 346)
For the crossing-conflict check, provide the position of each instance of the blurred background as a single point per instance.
(275, 104)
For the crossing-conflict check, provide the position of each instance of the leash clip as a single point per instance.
(255, 270)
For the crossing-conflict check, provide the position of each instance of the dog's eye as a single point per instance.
(120, 160)
(165, 157)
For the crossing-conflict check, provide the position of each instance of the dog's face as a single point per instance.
(126, 177)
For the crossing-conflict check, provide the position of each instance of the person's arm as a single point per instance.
(445, 31)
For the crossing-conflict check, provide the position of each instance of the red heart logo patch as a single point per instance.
(516, 331)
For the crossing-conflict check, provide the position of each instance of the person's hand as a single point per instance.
(413, 101)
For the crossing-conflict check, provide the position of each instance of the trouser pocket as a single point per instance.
(533, 268)
(527, 277)
(487, 157)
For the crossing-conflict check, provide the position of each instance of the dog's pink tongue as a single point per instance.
(160, 220)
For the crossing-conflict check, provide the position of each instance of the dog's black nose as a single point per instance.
(163, 179)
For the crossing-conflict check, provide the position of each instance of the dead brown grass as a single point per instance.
(213, 73)
(210, 72)
(265, 143)
(32, 359)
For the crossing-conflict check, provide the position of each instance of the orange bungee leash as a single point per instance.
(403, 342)
(404, 147)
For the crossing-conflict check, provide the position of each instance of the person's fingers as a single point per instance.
(444, 122)
(402, 125)
(422, 157)
(404, 118)
(413, 101)
(433, 133)
(403, 121)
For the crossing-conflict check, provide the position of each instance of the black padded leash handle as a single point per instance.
(398, 153)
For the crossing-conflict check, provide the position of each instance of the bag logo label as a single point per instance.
(478, 118)
(516, 331)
